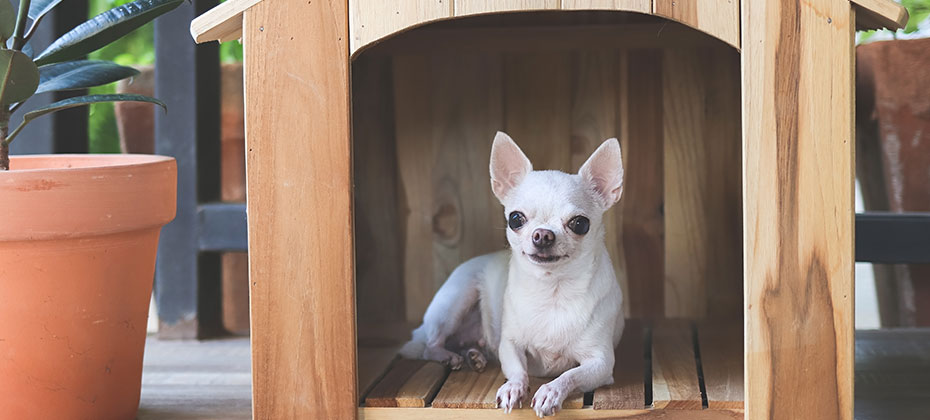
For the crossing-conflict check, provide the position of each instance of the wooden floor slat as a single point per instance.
(409, 383)
(721, 347)
(627, 391)
(674, 370)
(369, 413)
(469, 389)
(373, 362)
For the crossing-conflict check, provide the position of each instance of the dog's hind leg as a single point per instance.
(476, 359)
(445, 314)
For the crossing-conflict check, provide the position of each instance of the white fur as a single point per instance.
(560, 318)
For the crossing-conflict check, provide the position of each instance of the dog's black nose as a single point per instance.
(543, 238)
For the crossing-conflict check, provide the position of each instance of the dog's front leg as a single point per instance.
(513, 364)
(589, 374)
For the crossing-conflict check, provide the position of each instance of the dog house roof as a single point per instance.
(224, 22)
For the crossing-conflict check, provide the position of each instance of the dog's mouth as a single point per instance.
(544, 259)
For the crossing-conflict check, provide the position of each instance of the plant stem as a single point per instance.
(20, 28)
(4, 145)
(4, 156)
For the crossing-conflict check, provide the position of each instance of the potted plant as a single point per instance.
(78, 233)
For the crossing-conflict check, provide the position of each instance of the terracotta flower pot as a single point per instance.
(78, 237)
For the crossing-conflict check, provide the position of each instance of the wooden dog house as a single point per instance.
(368, 133)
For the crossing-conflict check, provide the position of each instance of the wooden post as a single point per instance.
(798, 144)
(299, 163)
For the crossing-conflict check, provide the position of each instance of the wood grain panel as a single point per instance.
(472, 7)
(798, 208)
(378, 237)
(674, 370)
(536, 105)
(643, 6)
(721, 348)
(444, 134)
(371, 20)
(686, 182)
(415, 155)
(719, 18)
(627, 391)
(409, 383)
(300, 210)
(723, 192)
(643, 199)
(467, 220)
(702, 183)
(594, 118)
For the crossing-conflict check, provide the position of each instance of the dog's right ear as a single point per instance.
(508, 165)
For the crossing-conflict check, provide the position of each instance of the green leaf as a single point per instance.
(7, 19)
(38, 8)
(82, 74)
(19, 76)
(104, 29)
(81, 101)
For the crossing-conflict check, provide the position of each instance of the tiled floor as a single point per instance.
(188, 380)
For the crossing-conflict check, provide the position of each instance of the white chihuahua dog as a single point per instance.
(551, 305)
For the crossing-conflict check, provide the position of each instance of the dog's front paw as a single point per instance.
(548, 399)
(511, 394)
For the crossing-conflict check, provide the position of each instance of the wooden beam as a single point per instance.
(221, 23)
(878, 14)
(797, 65)
(299, 181)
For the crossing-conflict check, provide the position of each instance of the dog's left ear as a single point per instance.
(604, 172)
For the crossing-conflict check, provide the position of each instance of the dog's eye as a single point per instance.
(579, 225)
(516, 220)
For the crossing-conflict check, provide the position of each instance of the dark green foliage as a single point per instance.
(53, 69)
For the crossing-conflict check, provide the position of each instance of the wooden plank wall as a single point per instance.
(674, 238)
(372, 20)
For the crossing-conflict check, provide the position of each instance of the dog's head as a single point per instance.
(554, 217)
